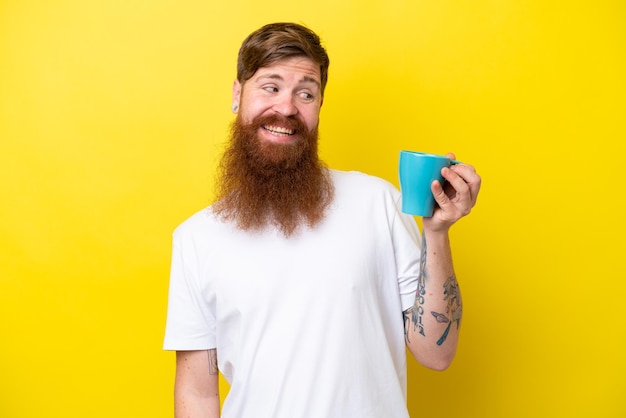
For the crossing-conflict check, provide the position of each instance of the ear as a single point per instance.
(236, 95)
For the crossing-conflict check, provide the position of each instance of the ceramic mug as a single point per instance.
(418, 170)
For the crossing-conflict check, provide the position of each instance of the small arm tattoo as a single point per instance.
(415, 314)
(213, 369)
(454, 310)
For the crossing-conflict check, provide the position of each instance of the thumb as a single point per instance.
(440, 195)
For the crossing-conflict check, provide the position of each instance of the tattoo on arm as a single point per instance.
(415, 314)
(407, 323)
(454, 310)
(213, 369)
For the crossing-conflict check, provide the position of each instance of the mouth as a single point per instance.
(279, 130)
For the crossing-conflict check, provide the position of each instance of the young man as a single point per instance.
(302, 284)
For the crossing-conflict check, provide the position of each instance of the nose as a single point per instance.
(285, 105)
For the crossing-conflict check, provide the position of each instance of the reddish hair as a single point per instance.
(278, 41)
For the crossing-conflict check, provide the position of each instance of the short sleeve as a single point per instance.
(190, 321)
(407, 250)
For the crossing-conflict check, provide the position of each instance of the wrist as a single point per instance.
(431, 228)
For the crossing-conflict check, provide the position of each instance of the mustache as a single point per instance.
(290, 122)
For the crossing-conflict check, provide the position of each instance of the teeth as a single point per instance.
(280, 131)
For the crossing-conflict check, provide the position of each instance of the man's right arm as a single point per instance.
(196, 391)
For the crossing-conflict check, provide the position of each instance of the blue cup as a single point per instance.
(418, 170)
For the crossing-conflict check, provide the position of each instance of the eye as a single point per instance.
(271, 89)
(306, 96)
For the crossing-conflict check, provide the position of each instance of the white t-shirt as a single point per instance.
(308, 326)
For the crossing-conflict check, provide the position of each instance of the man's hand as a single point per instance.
(455, 198)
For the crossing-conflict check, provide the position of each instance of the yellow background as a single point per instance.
(112, 116)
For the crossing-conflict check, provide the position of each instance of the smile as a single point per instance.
(278, 131)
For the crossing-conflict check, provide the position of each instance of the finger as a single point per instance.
(457, 182)
(470, 177)
(463, 201)
(464, 170)
(442, 199)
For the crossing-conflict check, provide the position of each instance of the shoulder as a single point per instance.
(195, 226)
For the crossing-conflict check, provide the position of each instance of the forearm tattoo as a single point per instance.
(213, 369)
(454, 310)
(414, 316)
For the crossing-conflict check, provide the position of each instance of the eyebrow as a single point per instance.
(305, 79)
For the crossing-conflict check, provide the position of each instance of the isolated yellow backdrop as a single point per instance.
(112, 116)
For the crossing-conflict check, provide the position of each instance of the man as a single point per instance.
(302, 284)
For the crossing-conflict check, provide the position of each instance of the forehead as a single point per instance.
(294, 69)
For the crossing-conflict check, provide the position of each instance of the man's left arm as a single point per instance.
(432, 323)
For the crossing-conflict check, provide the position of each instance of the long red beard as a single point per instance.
(261, 183)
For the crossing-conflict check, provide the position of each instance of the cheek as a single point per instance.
(312, 121)
(252, 110)
(248, 114)
(310, 117)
